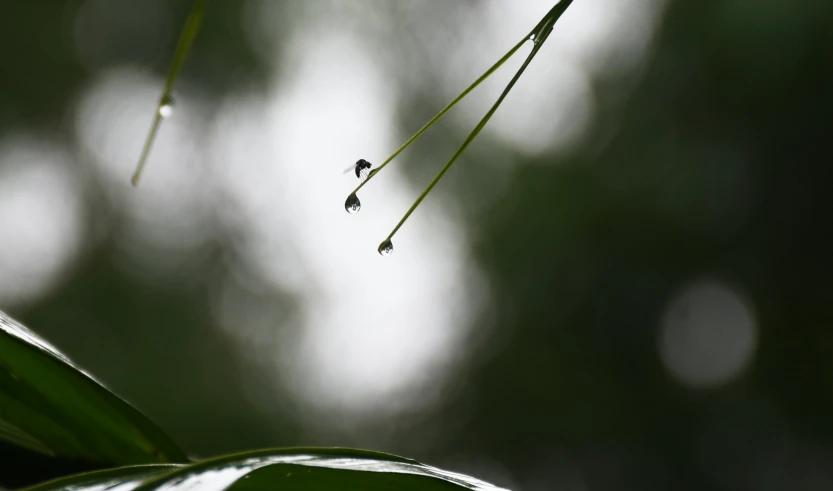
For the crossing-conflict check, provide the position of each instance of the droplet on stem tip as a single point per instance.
(166, 108)
(352, 204)
(386, 248)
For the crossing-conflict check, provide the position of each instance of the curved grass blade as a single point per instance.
(539, 35)
(444, 110)
(50, 406)
(290, 469)
(186, 39)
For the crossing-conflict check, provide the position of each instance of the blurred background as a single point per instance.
(623, 284)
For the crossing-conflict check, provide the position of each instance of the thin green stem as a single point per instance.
(186, 39)
(440, 114)
(544, 27)
(540, 33)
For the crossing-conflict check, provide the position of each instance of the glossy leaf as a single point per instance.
(120, 478)
(293, 469)
(50, 406)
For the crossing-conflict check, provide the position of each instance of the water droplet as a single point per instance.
(167, 106)
(386, 248)
(352, 205)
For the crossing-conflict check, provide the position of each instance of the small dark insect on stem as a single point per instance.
(538, 35)
(451, 104)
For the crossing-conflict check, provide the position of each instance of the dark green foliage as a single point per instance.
(49, 406)
(295, 469)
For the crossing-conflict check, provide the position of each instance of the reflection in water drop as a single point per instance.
(352, 204)
(167, 106)
(386, 248)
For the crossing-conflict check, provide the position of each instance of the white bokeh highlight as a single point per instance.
(169, 215)
(42, 216)
(371, 330)
(708, 335)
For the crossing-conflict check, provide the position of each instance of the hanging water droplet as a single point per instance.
(386, 248)
(167, 106)
(352, 204)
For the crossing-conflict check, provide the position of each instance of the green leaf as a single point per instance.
(50, 406)
(292, 469)
(129, 477)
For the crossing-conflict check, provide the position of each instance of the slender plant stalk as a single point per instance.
(186, 39)
(440, 114)
(539, 34)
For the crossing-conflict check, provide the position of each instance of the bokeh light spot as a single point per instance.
(708, 335)
(370, 336)
(41, 216)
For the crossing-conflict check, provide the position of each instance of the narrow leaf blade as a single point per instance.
(50, 406)
(294, 469)
(186, 39)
